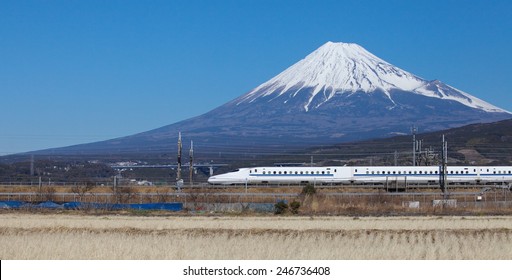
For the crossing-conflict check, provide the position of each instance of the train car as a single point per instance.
(363, 175)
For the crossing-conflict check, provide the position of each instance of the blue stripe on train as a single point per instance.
(433, 175)
(293, 175)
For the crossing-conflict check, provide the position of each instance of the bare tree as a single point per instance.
(122, 194)
(82, 189)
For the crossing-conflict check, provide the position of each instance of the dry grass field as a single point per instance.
(74, 236)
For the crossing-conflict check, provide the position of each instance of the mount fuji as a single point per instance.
(340, 92)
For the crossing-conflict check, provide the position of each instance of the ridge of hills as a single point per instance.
(476, 144)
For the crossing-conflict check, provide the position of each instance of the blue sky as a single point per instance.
(74, 72)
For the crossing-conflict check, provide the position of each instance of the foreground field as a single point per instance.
(63, 236)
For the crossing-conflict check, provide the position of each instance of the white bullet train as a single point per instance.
(363, 175)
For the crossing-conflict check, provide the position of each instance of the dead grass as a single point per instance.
(28, 236)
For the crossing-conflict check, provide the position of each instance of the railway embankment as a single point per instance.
(353, 200)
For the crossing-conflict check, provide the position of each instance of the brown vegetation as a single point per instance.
(24, 236)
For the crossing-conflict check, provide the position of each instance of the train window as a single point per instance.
(435, 172)
(509, 172)
(399, 172)
(301, 172)
(373, 172)
(410, 172)
(335, 170)
(264, 172)
(394, 172)
(323, 172)
(430, 171)
(451, 172)
(494, 172)
(467, 172)
(367, 172)
(328, 172)
(389, 172)
(415, 172)
(420, 172)
(285, 172)
(456, 172)
(312, 172)
(474, 170)
(487, 170)
(274, 172)
(250, 171)
(255, 170)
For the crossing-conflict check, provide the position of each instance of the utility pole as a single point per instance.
(413, 129)
(178, 176)
(179, 181)
(419, 152)
(191, 156)
(443, 168)
(40, 185)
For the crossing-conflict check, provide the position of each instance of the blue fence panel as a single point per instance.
(72, 205)
(11, 204)
(177, 206)
(158, 206)
(109, 206)
(49, 205)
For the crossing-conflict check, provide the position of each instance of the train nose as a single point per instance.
(212, 179)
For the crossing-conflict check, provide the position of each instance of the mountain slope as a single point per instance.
(338, 93)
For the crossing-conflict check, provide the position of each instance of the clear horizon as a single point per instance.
(74, 72)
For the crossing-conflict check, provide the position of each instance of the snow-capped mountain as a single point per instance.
(338, 93)
(337, 69)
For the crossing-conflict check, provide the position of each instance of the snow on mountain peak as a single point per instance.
(338, 68)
